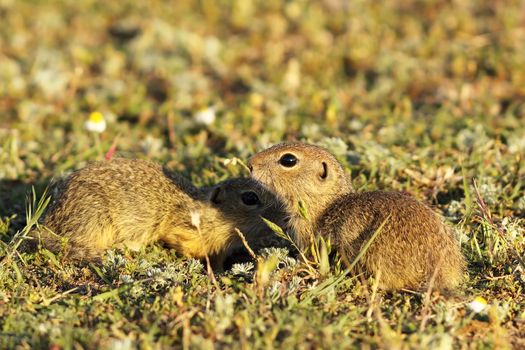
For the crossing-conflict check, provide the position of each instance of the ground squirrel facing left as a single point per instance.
(130, 203)
(413, 246)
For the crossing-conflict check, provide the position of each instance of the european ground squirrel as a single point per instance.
(413, 245)
(130, 203)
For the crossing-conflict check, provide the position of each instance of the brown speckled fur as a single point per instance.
(408, 249)
(412, 245)
(130, 203)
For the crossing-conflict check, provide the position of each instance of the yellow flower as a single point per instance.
(96, 122)
(256, 100)
(478, 304)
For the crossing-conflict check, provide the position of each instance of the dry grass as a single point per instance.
(425, 97)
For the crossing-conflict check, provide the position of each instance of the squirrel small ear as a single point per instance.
(324, 171)
(216, 195)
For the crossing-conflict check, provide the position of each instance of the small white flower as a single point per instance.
(205, 116)
(96, 122)
(478, 304)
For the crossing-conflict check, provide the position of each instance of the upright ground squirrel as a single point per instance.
(413, 245)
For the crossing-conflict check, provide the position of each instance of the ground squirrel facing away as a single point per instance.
(130, 203)
(412, 247)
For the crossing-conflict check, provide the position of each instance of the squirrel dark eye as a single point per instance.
(250, 198)
(288, 160)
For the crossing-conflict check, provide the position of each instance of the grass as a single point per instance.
(422, 97)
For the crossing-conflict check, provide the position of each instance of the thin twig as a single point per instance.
(60, 295)
(375, 287)
(426, 307)
(195, 221)
(245, 243)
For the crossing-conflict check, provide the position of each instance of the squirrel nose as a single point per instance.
(250, 167)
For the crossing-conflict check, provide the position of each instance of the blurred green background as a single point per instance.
(378, 75)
